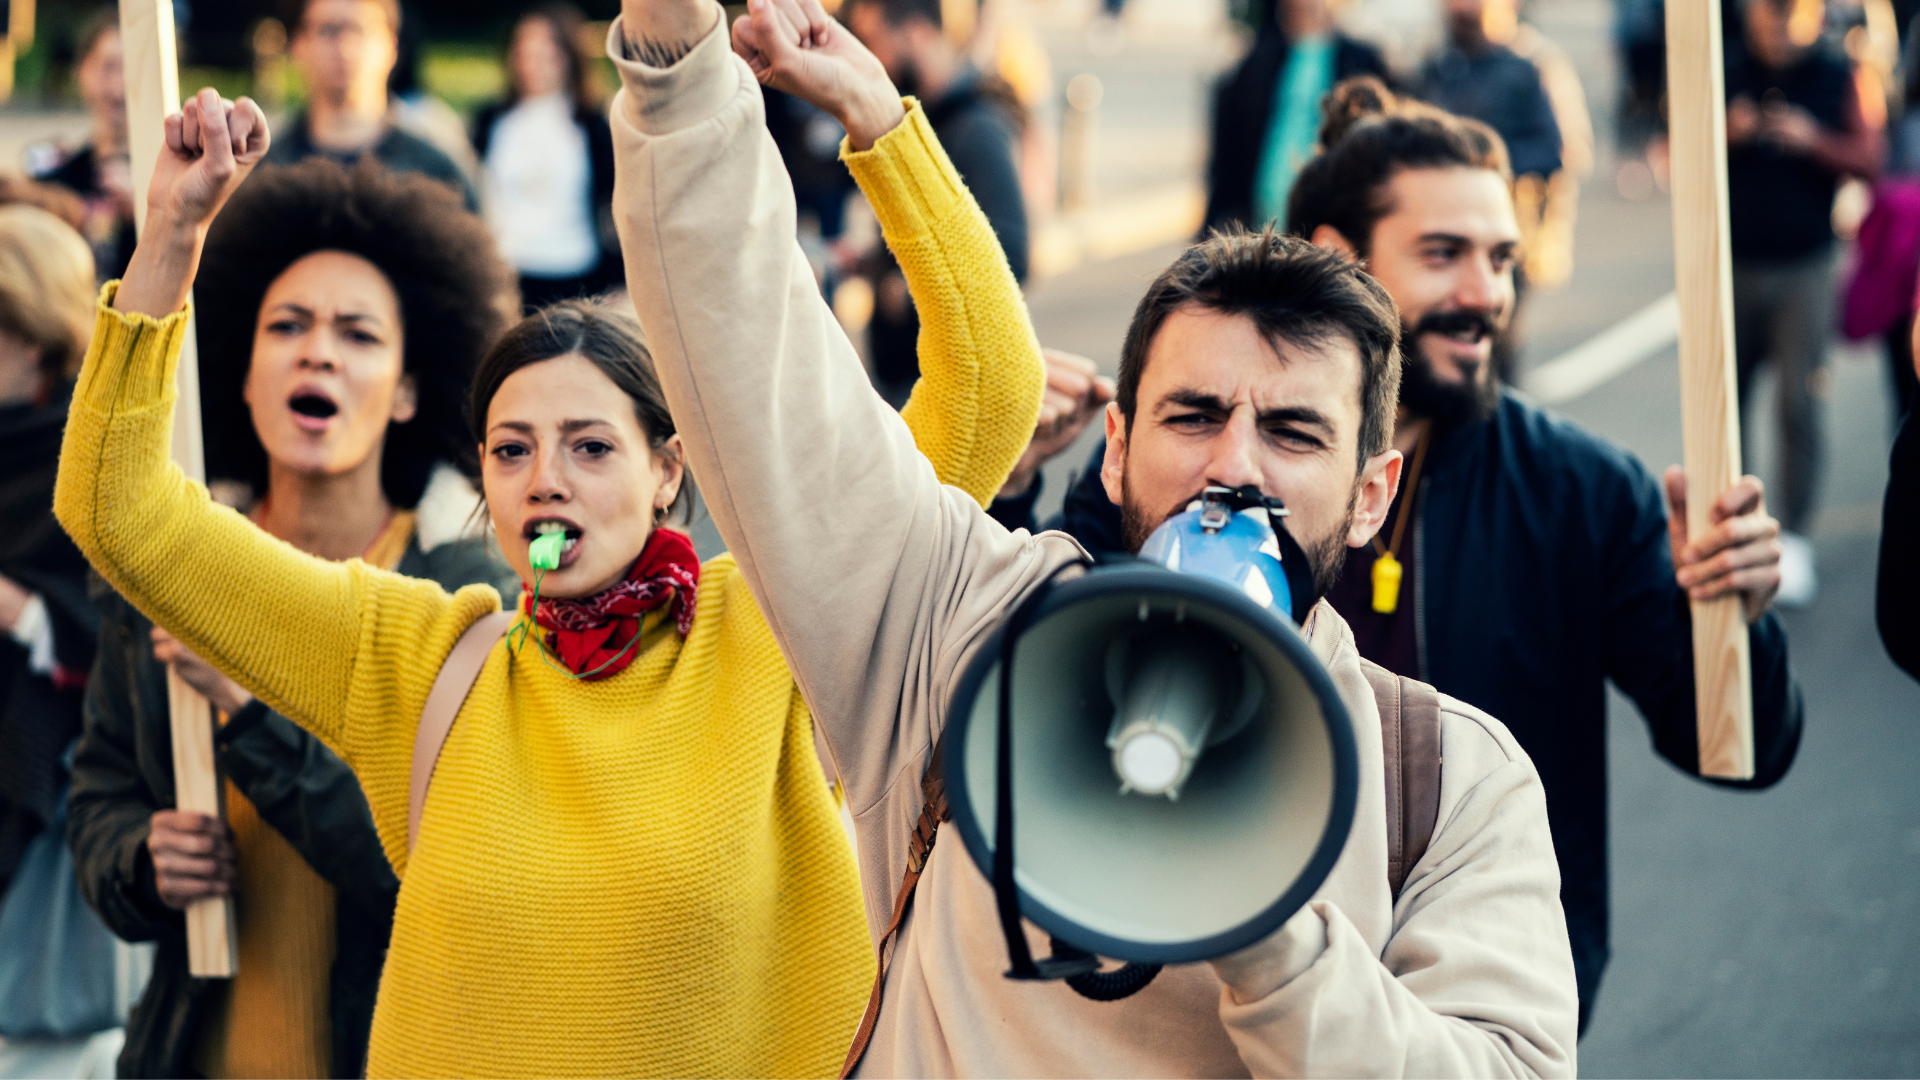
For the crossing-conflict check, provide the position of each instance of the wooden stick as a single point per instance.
(153, 91)
(1710, 416)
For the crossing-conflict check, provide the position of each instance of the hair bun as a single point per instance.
(1350, 102)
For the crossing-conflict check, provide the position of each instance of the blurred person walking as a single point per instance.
(1796, 126)
(1266, 112)
(342, 313)
(50, 623)
(979, 122)
(346, 50)
(1880, 300)
(98, 169)
(1524, 563)
(1475, 76)
(414, 109)
(542, 895)
(547, 155)
(57, 963)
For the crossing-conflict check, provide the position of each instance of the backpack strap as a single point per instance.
(1410, 752)
(450, 689)
(933, 811)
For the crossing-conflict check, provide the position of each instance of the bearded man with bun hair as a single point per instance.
(1563, 567)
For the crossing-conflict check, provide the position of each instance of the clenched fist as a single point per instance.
(794, 46)
(212, 145)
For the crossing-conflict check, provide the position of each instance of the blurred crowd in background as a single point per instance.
(1824, 173)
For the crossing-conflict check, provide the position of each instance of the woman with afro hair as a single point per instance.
(342, 313)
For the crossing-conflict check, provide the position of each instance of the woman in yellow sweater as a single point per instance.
(342, 315)
(628, 863)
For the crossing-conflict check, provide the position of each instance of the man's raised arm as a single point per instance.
(874, 577)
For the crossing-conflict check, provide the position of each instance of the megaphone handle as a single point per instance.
(1006, 896)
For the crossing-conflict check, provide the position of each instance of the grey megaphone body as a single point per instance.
(1183, 772)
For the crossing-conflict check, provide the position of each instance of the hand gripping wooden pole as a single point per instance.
(1710, 417)
(153, 91)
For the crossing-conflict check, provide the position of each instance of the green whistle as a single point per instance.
(545, 551)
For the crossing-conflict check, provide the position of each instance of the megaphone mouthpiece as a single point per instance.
(1166, 710)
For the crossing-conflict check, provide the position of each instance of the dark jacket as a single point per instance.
(1243, 116)
(1557, 577)
(980, 131)
(397, 150)
(123, 773)
(112, 246)
(1501, 89)
(1898, 602)
(593, 123)
(39, 710)
(1780, 204)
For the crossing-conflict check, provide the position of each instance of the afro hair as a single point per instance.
(457, 296)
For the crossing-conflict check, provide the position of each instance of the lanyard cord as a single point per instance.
(1406, 509)
(525, 628)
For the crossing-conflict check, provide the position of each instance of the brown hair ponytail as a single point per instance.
(1369, 135)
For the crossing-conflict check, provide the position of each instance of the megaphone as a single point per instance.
(1183, 769)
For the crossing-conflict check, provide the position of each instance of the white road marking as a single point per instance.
(1608, 354)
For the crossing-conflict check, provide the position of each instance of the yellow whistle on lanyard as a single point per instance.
(1386, 583)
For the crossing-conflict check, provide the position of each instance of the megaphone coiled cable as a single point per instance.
(1122, 982)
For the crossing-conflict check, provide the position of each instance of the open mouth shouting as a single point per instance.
(544, 526)
(1460, 327)
(313, 409)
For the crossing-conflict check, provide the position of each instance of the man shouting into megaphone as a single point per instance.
(1257, 364)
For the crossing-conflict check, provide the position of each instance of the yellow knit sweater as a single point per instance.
(643, 875)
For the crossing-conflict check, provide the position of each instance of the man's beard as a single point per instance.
(1424, 393)
(1326, 554)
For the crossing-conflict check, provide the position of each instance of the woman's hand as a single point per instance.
(793, 46)
(1076, 393)
(212, 145)
(227, 696)
(193, 857)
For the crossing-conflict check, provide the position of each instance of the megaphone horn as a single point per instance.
(1184, 770)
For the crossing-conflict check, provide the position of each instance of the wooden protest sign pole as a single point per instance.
(1710, 416)
(153, 91)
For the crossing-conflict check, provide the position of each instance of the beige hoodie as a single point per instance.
(879, 584)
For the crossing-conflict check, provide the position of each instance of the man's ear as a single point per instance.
(1113, 467)
(1378, 482)
(1326, 236)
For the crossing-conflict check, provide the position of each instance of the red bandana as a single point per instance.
(589, 634)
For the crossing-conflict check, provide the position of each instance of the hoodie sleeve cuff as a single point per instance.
(660, 101)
